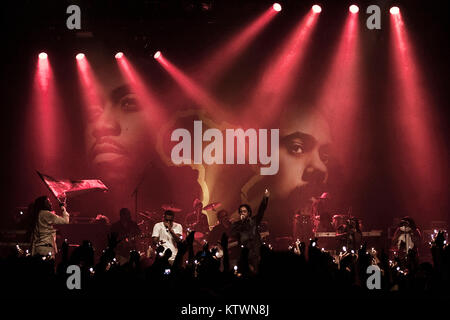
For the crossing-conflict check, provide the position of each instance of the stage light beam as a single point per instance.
(80, 56)
(278, 78)
(119, 55)
(191, 88)
(415, 121)
(153, 112)
(157, 55)
(222, 57)
(91, 89)
(45, 135)
(339, 96)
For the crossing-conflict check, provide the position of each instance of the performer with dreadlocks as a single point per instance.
(43, 234)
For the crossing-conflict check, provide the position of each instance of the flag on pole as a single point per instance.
(63, 187)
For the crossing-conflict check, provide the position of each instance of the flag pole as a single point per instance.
(43, 180)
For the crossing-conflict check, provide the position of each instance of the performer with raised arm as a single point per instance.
(245, 230)
(168, 233)
(43, 234)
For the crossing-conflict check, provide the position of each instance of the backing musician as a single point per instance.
(196, 220)
(407, 236)
(126, 231)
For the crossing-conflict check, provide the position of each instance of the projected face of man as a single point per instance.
(117, 135)
(304, 146)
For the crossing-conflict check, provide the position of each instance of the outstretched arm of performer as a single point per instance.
(53, 218)
(262, 207)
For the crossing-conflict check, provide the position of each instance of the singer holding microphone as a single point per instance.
(43, 234)
(168, 233)
(245, 230)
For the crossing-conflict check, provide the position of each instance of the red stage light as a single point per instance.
(278, 79)
(80, 56)
(157, 55)
(276, 7)
(119, 55)
(316, 8)
(223, 56)
(354, 8)
(42, 55)
(394, 10)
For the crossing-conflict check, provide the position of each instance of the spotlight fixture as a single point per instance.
(354, 8)
(394, 10)
(80, 56)
(157, 55)
(316, 8)
(119, 55)
(277, 7)
(42, 55)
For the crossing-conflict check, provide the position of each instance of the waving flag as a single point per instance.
(63, 187)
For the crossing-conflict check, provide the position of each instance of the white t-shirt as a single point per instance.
(160, 231)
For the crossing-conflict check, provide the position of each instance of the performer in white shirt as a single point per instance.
(169, 233)
(43, 237)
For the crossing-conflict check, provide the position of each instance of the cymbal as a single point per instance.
(170, 207)
(212, 206)
(146, 214)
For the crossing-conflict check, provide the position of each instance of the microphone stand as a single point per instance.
(135, 193)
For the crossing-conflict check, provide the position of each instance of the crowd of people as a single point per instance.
(303, 270)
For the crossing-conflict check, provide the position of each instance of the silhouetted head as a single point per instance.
(42, 203)
(222, 217)
(408, 221)
(125, 214)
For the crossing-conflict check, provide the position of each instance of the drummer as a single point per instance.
(196, 220)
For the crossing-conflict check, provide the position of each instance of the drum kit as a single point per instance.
(348, 230)
(305, 226)
(198, 222)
